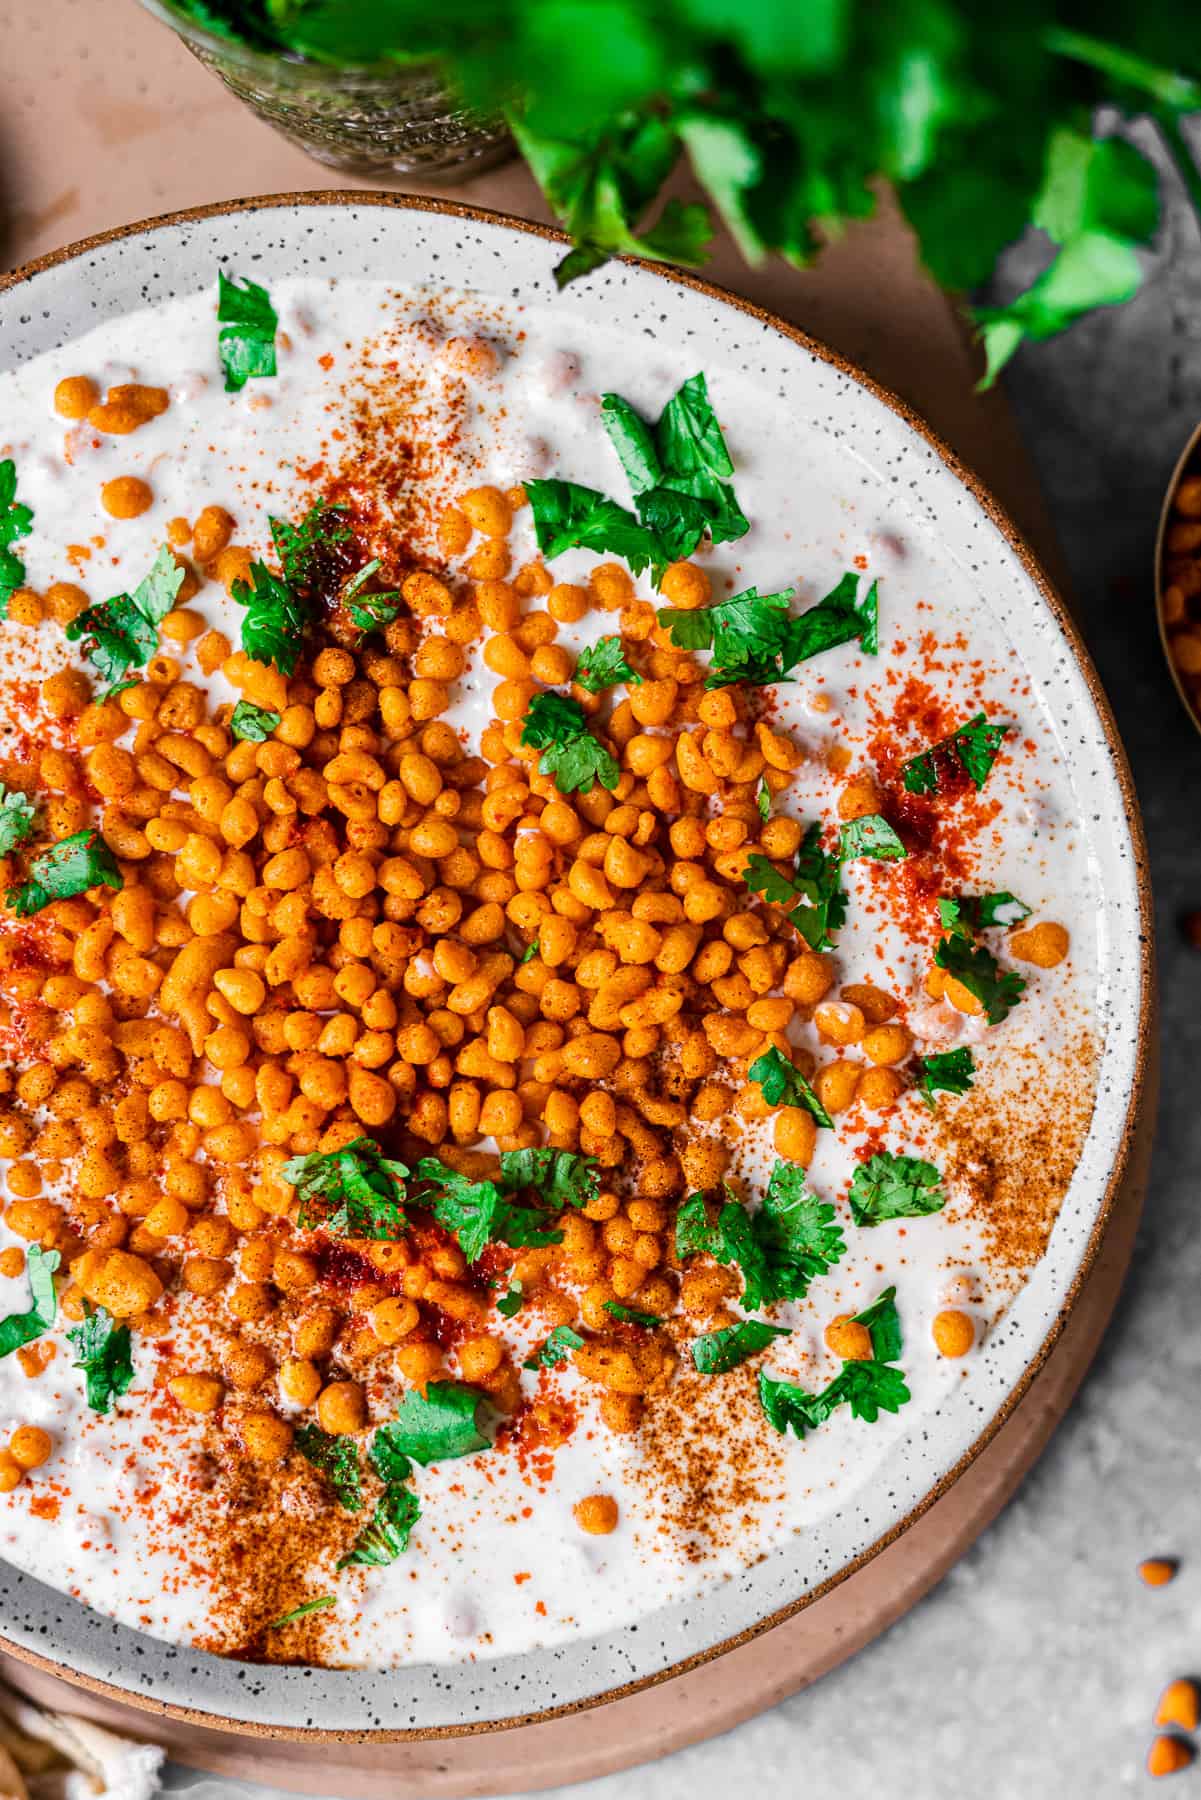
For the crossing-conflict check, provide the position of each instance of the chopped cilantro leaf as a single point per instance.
(529, 953)
(246, 340)
(370, 612)
(105, 1354)
(276, 618)
(797, 1234)
(387, 1534)
(718, 1351)
(438, 1424)
(510, 1304)
(567, 515)
(967, 913)
(784, 1085)
(870, 835)
(337, 1458)
(868, 1388)
(70, 867)
(304, 550)
(302, 1612)
(977, 969)
(22, 1328)
(253, 724)
(630, 1315)
(895, 1187)
(883, 1325)
(571, 756)
(560, 1177)
(16, 522)
(634, 442)
(949, 1072)
(754, 637)
(812, 896)
(122, 633)
(763, 801)
(470, 1209)
(16, 818)
(602, 665)
(972, 747)
(352, 1192)
(558, 1346)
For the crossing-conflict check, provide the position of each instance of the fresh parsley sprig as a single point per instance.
(812, 896)
(756, 639)
(22, 1328)
(17, 818)
(971, 749)
(602, 665)
(945, 1072)
(481, 1212)
(253, 724)
(968, 913)
(16, 521)
(571, 756)
(895, 1187)
(277, 617)
(337, 1458)
(122, 633)
(679, 468)
(556, 1349)
(70, 867)
(978, 970)
(868, 1387)
(780, 1249)
(784, 1085)
(246, 340)
(104, 1352)
(353, 1192)
(716, 1352)
(434, 1426)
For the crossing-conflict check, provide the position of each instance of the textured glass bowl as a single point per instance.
(383, 121)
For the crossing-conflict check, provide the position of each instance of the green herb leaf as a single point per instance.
(895, 1187)
(883, 1324)
(634, 442)
(352, 1192)
(529, 953)
(784, 1085)
(440, 1424)
(387, 1535)
(797, 1235)
(309, 552)
(370, 612)
(471, 1209)
(567, 516)
(571, 756)
(968, 913)
(70, 867)
(16, 521)
(276, 618)
(17, 813)
(868, 1388)
(510, 1304)
(716, 1352)
(105, 1354)
(949, 1072)
(679, 472)
(246, 340)
(763, 801)
(558, 1346)
(337, 1458)
(254, 724)
(559, 1177)
(979, 972)
(870, 835)
(122, 633)
(812, 897)
(972, 748)
(302, 1612)
(602, 665)
(22, 1328)
(630, 1315)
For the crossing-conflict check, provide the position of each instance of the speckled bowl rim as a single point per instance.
(1165, 518)
(1047, 592)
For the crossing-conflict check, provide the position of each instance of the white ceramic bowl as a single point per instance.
(376, 236)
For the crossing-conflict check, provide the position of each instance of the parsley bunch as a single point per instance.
(790, 116)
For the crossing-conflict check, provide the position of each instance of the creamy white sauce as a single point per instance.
(497, 1563)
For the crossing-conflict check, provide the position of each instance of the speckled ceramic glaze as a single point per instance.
(415, 242)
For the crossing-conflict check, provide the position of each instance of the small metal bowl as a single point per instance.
(1189, 461)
